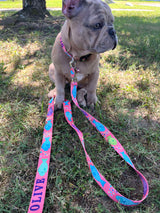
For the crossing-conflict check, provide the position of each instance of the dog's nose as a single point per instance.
(112, 32)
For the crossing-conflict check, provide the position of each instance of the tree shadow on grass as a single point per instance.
(23, 33)
(12, 29)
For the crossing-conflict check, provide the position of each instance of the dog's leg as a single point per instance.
(52, 72)
(58, 91)
(91, 89)
(60, 82)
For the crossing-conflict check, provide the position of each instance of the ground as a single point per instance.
(128, 93)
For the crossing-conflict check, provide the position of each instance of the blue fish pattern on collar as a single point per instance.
(69, 116)
(66, 103)
(72, 73)
(47, 144)
(43, 167)
(74, 91)
(99, 126)
(48, 125)
(96, 175)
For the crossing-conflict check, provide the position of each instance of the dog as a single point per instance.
(87, 31)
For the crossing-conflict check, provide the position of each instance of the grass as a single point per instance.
(58, 4)
(18, 3)
(129, 95)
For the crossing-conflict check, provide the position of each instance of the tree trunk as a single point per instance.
(34, 9)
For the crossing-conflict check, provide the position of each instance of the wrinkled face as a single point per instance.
(92, 26)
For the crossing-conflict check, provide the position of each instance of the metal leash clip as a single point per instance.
(74, 79)
(72, 63)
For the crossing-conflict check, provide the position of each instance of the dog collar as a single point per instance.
(81, 59)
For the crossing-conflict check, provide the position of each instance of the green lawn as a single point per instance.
(18, 3)
(11, 4)
(58, 4)
(129, 96)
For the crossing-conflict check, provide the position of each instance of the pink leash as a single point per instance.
(40, 183)
(39, 189)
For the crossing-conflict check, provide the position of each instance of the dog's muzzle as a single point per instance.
(113, 35)
(115, 42)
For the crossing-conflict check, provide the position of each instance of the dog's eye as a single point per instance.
(97, 26)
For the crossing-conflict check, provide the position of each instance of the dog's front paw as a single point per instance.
(58, 103)
(58, 100)
(58, 106)
(91, 100)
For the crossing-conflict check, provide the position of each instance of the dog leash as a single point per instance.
(108, 136)
(40, 183)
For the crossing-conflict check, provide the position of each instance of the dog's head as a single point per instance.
(91, 25)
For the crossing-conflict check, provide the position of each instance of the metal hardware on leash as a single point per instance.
(72, 63)
(74, 79)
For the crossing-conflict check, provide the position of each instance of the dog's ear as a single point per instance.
(71, 8)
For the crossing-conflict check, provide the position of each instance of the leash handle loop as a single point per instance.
(40, 183)
(109, 137)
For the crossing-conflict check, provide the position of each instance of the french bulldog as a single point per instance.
(88, 31)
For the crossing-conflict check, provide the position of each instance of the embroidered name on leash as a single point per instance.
(37, 196)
